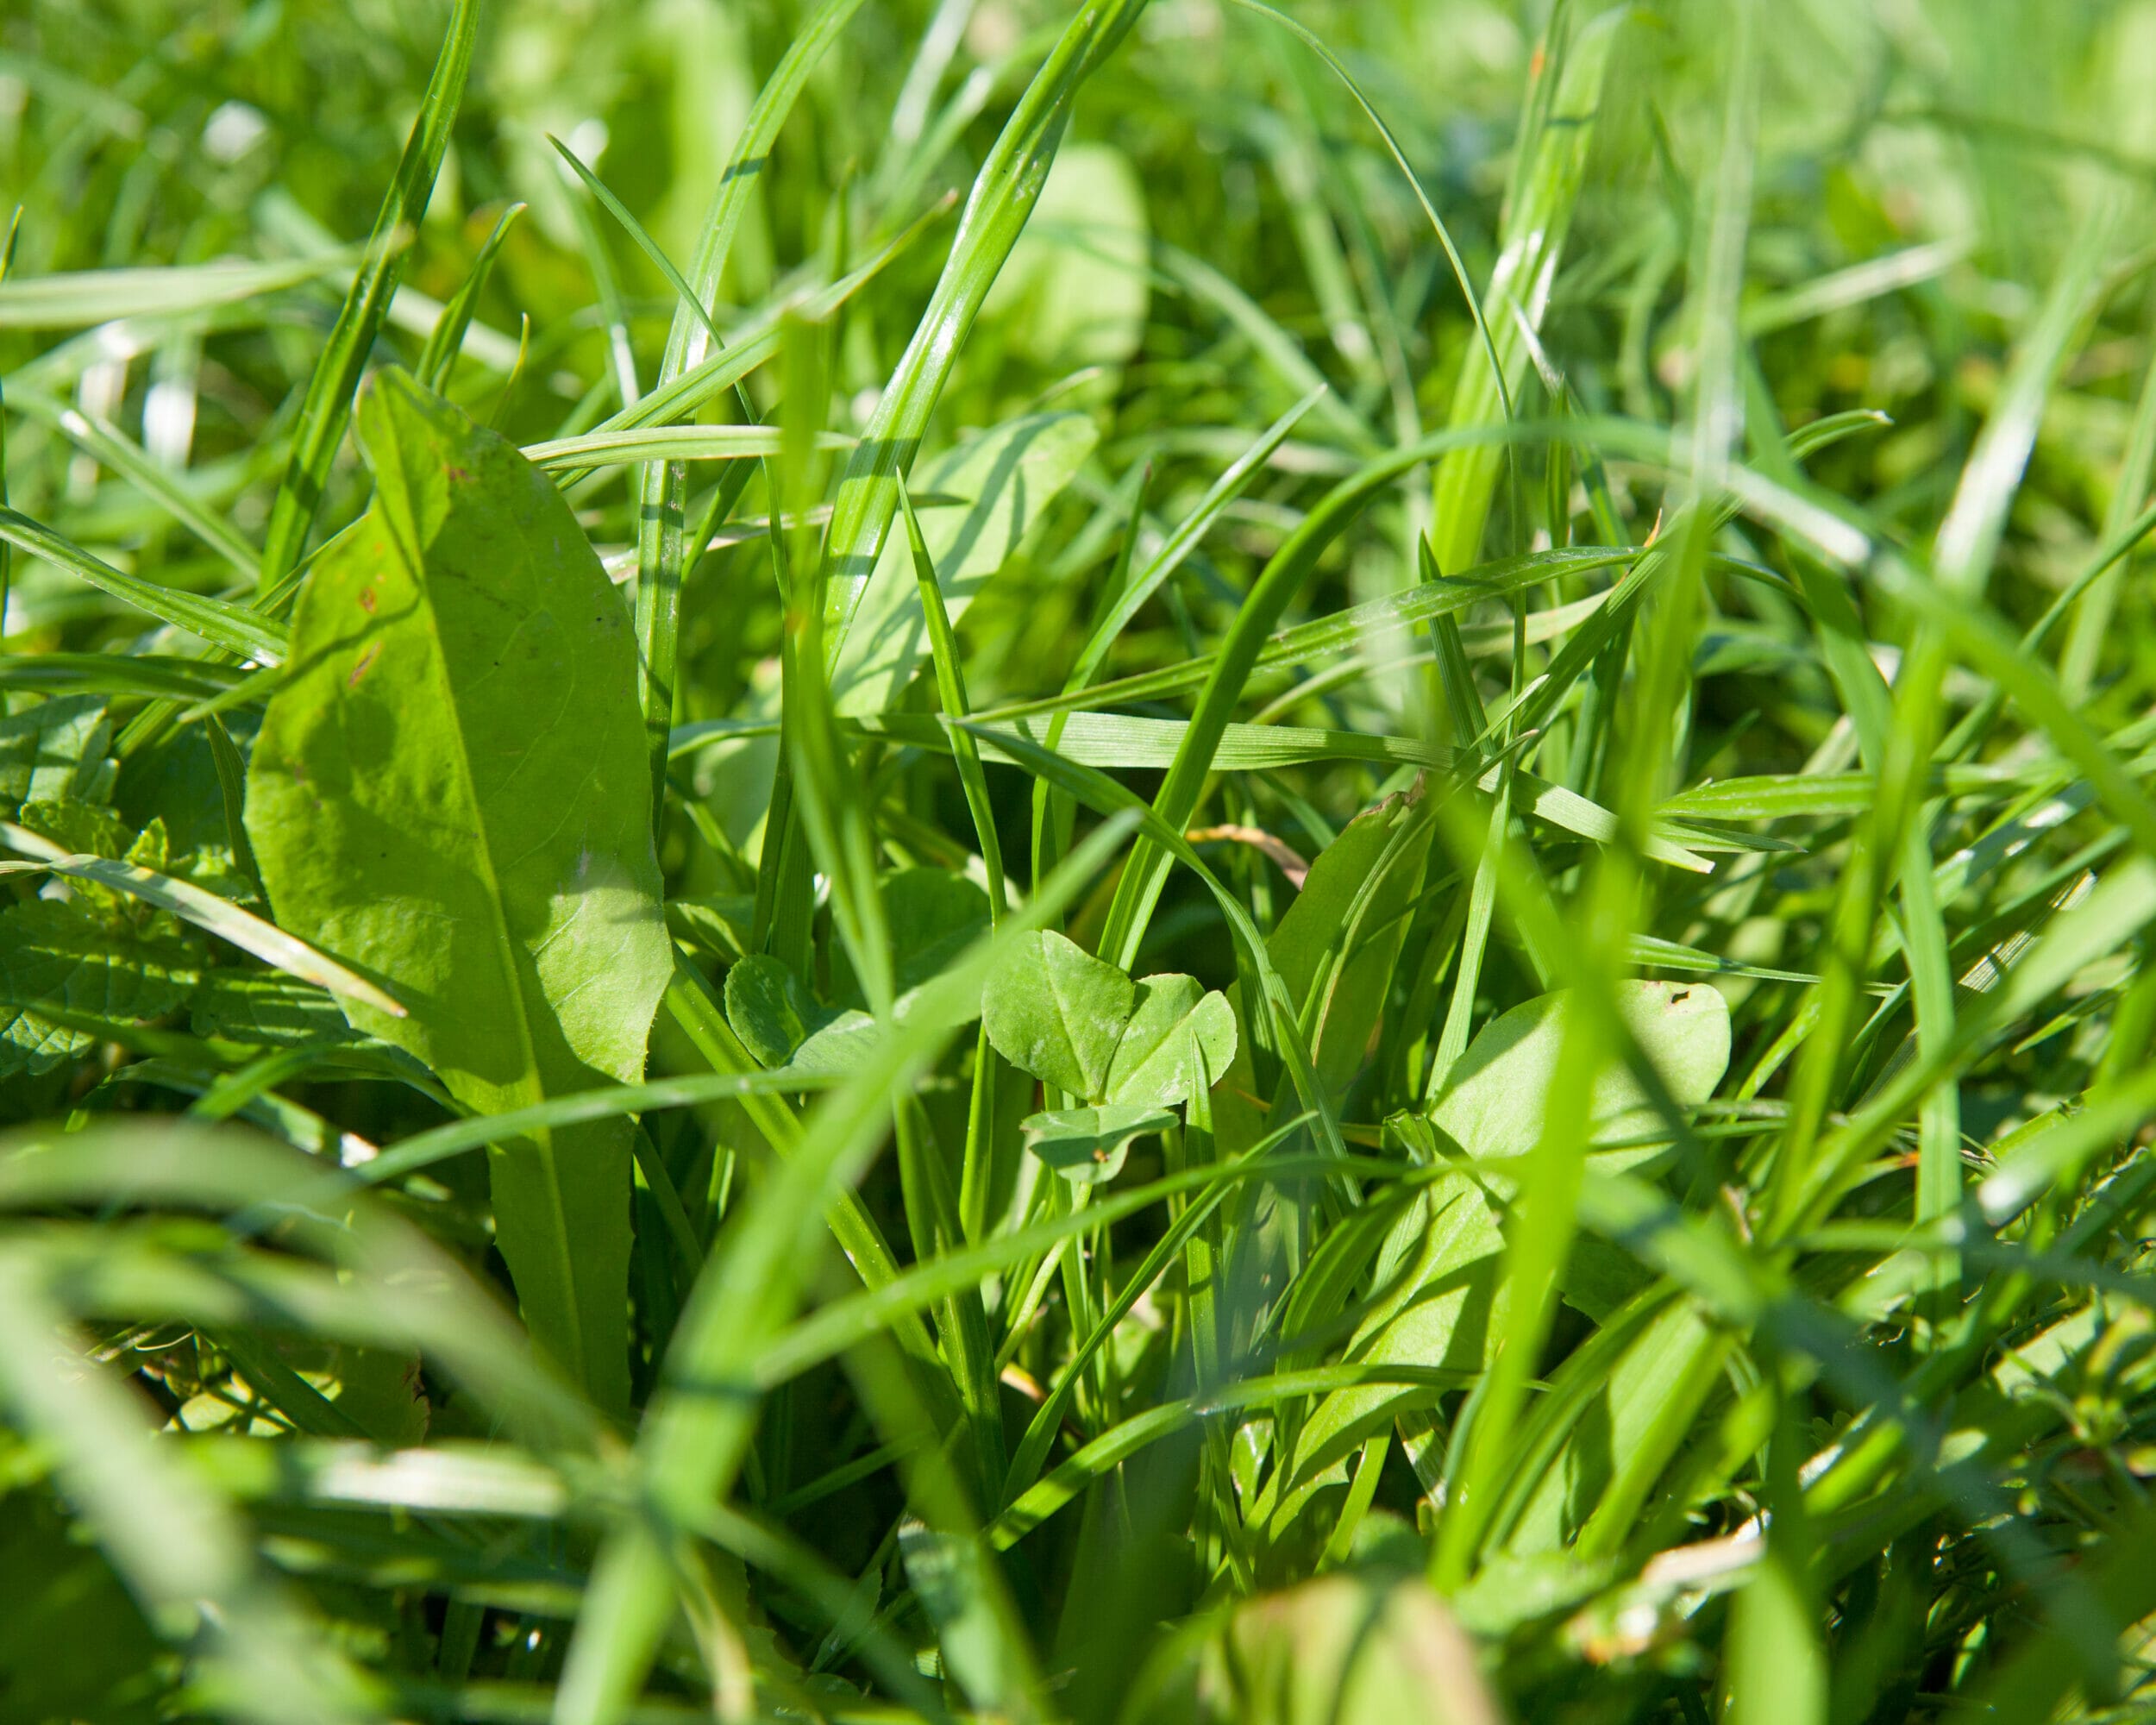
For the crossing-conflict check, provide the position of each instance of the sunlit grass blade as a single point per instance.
(206, 910)
(445, 343)
(76, 301)
(184, 1551)
(328, 408)
(234, 627)
(114, 449)
(1002, 198)
(662, 555)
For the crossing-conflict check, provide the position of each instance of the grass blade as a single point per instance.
(328, 408)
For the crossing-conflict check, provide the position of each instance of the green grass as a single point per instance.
(1270, 865)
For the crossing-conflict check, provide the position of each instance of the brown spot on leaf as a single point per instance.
(366, 600)
(364, 663)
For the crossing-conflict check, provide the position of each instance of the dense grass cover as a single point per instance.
(1130, 863)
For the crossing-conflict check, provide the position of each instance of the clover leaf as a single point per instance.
(1081, 1026)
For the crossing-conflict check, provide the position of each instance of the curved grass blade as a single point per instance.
(663, 553)
(669, 444)
(1345, 630)
(183, 1549)
(756, 341)
(205, 910)
(328, 408)
(1188, 534)
(235, 628)
(380, 1260)
(111, 448)
(1277, 584)
(1115, 1447)
(424, 1150)
(118, 673)
(1003, 196)
(445, 342)
(1107, 797)
(976, 1170)
(89, 297)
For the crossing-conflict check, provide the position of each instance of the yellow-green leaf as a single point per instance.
(450, 793)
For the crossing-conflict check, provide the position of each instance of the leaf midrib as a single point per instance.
(504, 955)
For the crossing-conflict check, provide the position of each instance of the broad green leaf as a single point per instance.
(1305, 941)
(1104, 794)
(720, 923)
(934, 914)
(1493, 1105)
(1359, 1649)
(1054, 1010)
(267, 1007)
(1308, 942)
(55, 751)
(56, 954)
(1151, 1067)
(450, 792)
(87, 829)
(1439, 1303)
(1087, 1145)
(425, 1149)
(769, 1007)
(782, 1024)
(1076, 290)
(1002, 480)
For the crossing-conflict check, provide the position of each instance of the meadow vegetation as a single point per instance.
(1188, 861)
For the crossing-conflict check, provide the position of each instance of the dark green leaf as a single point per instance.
(55, 751)
(57, 954)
